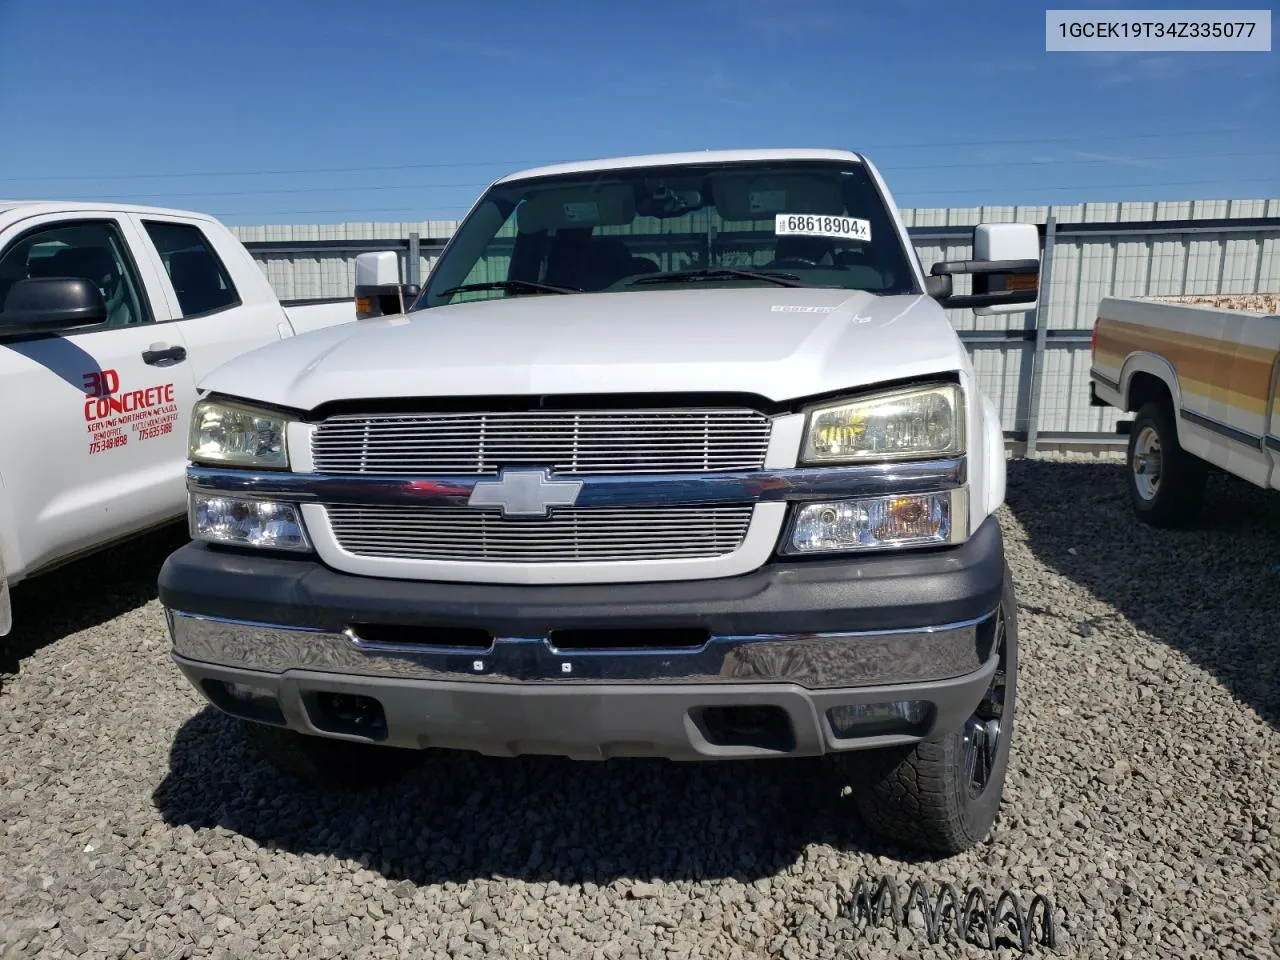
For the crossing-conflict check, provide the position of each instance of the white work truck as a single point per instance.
(109, 317)
(673, 456)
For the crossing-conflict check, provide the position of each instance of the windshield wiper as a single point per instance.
(510, 285)
(716, 273)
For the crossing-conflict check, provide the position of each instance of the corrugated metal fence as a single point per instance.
(1035, 368)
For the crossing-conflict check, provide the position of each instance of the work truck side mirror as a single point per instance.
(379, 291)
(1005, 271)
(51, 305)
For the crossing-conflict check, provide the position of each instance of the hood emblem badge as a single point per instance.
(525, 493)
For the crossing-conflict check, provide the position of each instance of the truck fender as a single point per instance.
(994, 461)
(1158, 367)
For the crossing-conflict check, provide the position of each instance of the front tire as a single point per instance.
(943, 795)
(324, 761)
(1166, 484)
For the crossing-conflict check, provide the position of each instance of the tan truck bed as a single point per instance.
(1252, 302)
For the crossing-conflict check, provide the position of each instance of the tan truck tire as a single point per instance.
(1166, 484)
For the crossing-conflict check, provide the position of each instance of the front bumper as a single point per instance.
(594, 671)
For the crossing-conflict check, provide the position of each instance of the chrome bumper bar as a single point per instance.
(811, 660)
(631, 490)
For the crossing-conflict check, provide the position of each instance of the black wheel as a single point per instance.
(942, 795)
(327, 762)
(1166, 484)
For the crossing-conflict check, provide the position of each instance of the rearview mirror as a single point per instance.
(379, 292)
(52, 304)
(1005, 270)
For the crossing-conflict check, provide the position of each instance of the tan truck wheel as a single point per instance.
(1166, 484)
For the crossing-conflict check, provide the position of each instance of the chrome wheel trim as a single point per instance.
(1147, 463)
(985, 726)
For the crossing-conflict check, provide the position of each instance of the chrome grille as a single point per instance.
(569, 535)
(567, 442)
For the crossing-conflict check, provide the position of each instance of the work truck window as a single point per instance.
(198, 276)
(792, 223)
(89, 249)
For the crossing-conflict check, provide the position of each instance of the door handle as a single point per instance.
(162, 356)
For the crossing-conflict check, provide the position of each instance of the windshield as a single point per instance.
(788, 223)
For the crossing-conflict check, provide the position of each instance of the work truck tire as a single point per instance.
(324, 761)
(1166, 484)
(924, 796)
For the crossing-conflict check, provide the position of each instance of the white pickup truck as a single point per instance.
(673, 456)
(109, 317)
(1201, 373)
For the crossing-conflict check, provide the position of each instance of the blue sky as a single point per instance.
(320, 111)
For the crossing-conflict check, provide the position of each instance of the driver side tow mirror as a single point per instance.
(51, 305)
(379, 292)
(1005, 271)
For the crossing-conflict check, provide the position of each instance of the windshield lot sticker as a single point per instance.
(813, 225)
(148, 412)
(585, 212)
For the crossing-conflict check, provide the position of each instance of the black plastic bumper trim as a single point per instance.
(894, 591)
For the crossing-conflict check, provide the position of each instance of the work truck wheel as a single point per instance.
(942, 795)
(323, 761)
(1166, 484)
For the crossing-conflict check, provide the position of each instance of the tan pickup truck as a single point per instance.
(1200, 374)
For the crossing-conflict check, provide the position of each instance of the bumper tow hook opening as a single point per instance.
(762, 727)
(346, 713)
(244, 701)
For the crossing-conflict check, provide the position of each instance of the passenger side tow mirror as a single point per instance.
(379, 292)
(1005, 271)
(52, 304)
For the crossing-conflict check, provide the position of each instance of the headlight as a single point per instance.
(913, 422)
(878, 523)
(238, 436)
(267, 524)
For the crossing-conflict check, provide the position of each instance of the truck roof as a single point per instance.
(35, 207)
(698, 156)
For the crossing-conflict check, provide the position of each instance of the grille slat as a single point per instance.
(596, 535)
(588, 442)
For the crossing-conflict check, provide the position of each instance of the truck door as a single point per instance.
(214, 287)
(90, 446)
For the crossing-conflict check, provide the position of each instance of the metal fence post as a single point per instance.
(412, 259)
(1042, 331)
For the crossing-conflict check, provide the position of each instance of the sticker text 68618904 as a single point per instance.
(109, 411)
(821, 225)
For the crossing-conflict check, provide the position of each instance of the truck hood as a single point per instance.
(780, 343)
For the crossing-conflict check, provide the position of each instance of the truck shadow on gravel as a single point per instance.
(86, 593)
(458, 816)
(1211, 591)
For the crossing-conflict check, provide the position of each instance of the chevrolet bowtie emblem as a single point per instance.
(525, 493)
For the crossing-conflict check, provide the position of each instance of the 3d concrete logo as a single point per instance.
(525, 493)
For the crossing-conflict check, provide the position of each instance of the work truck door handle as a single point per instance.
(161, 355)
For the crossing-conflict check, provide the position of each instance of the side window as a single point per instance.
(93, 250)
(198, 276)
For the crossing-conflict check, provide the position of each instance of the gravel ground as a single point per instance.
(1142, 794)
